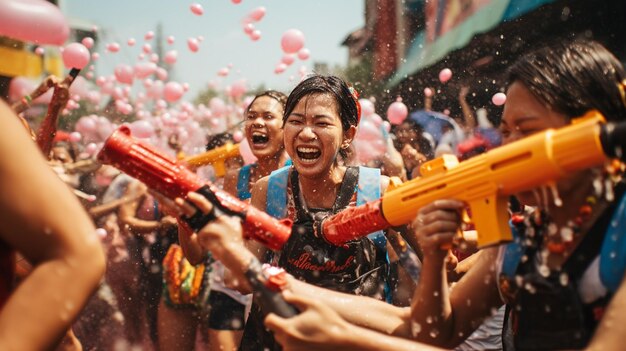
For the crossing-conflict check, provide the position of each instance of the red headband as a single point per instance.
(355, 96)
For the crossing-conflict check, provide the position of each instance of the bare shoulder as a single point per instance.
(259, 193)
(230, 181)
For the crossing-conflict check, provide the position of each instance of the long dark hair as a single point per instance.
(574, 77)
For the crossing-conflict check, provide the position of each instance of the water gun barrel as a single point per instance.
(486, 181)
(215, 157)
(172, 179)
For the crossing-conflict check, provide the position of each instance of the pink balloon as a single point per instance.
(161, 73)
(20, 87)
(170, 57)
(428, 92)
(124, 74)
(197, 9)
(303, 54)
(95, 56)
(149, 35)
(146, 48)
(498, 99)
(367, 131)
(280, 68)
(91, 148)
(170, 39)
(192, 44)
(246, 152)
(131, 42)
(141, 129)
(367, 107)
(397, 112)
(113, 47)
(257, 14)
(154, 58)
(248, 28)
(218, 107)
(238, 88)
(288, 59)
(223, 72)
(88, 42)
(256, 35)
(75, 55)
(35, 21)
(235, 1)
(173, 91)
(144, 70)
(85, 125)
(101, 233)
(40, 51)
(292, 41)
(445, 75)
(237, 136)
(75, 137)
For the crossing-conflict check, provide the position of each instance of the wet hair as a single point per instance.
(276, 95)
(217, 140)
(333, 86)
(573, 77)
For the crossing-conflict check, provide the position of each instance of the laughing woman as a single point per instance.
(320, 121)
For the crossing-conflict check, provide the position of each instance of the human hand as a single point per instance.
(436, 226)
(411, 157)
(317, 327)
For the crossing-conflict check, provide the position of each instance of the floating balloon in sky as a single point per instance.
(131, 41)
(147, 48)
(248, 28)
(113, 47)
(238, 88)
(35, 21)
(149, 35)
(173, 91)
(498, 99)
(292, 41)
(445, 75)
(235, 1)
(95, 56)
(75, 55)
(145, 69)
(170, 57)
(288, 59)
(257, 14)
(303, 54)
(170, 39)
(223, 72)
(88, 42)
(197, 9)
(397, 112)
(256, 35)
(124, 74)
(193, 45)
(280, 68)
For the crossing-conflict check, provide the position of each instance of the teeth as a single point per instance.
(259, 134)
(307, 149)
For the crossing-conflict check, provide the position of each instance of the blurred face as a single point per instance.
(406, 135)
(60, 154)
(525, 115)
(263, 127)
(314, 135)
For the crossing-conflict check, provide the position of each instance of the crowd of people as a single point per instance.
(145, 280)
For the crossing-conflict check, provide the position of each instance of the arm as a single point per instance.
(319, 327)
(259, 199)
(111, 206)
(128, 211)
(48, 128)
(230, 182)
(392, 163)
(608, 335)
(448, 317)
(468, 115)
(44, 222)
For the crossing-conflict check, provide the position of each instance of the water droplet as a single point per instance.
(567, 234)
(564, 279)
(433, 333)
(429, 320)
(613, 254)
(547, 308)
(468, 302)
(436, 293)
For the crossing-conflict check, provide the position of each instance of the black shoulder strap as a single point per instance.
(346, 191)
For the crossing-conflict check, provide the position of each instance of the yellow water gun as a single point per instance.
(486, 181)
(215, 157)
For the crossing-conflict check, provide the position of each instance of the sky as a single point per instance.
(325, 24)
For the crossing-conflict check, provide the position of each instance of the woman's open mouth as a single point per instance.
(308, 154)
(259, 139)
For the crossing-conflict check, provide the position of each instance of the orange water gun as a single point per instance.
(215, 157)
(486, 181)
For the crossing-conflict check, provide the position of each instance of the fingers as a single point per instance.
(275, 323)
(200, 201)
(185, 207)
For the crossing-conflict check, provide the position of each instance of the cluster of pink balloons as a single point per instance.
(248, 23)
(370, 143)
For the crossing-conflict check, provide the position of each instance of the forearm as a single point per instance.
(359, 310)
(32, 320)
(194, 253)
(431, 309)
(361, 339)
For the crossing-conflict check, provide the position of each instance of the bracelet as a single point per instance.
(26, 100)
